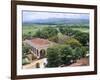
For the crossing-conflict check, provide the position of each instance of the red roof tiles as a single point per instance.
(39, 41)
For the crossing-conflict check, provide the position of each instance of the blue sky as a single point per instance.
(31, 15)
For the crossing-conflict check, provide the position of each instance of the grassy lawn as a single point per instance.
(82, 29)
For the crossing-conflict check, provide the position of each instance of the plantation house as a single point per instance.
(38, 49)
(39, 46)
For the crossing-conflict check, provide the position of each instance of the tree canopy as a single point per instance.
(83, 38)
(63, 55)
(46, 32)
(59, 55)
(73, 42)
(53, 57)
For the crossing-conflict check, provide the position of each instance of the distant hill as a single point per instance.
(58, 21)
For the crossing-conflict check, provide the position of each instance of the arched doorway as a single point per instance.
(42, 53)
(37, 65)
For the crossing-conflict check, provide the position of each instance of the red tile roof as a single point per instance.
(40, 42)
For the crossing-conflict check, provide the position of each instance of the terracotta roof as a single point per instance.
(40, 42)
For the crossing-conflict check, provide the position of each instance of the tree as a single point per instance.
(27, 36)
(39, 34)
(53, 57)
(77, 53)
(54, 38)
(73, 42)
(65, 53)
(46, 32)
(67, 31)
(83, 38)
(59, 55)
(84, 51)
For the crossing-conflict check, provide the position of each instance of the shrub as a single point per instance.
(25, 61)
(25, 49)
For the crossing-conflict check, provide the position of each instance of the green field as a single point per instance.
(82, 29)
(33, 28)
(27, 29)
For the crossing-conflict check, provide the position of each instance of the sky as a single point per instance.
(31, 15)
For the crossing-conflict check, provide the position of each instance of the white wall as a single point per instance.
(5, 31)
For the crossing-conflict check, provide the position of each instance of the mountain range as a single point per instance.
(58, 21)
